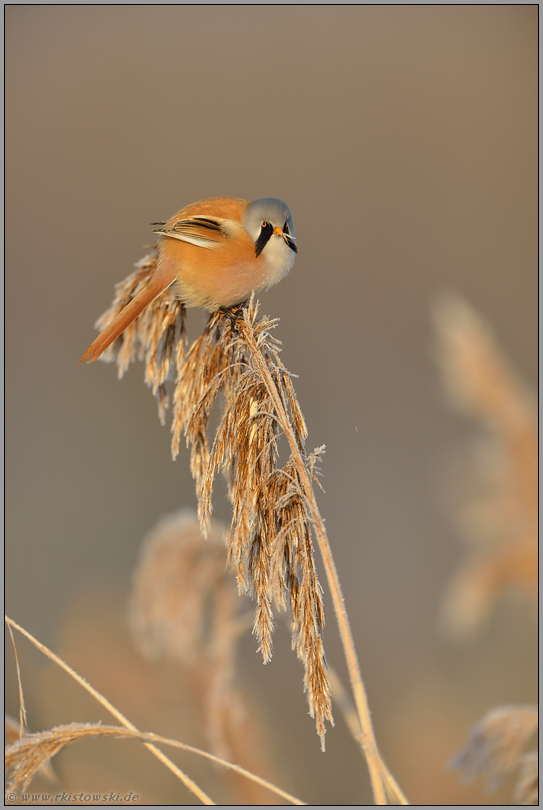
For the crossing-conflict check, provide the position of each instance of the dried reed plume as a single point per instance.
(501, 518)
(182, 598)
(269, 543)
(32, 753)
(13, 732)
(496, 747)
(184, 606)
(27, 755)
(275, 514)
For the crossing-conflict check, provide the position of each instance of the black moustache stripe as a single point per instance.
(263, 238)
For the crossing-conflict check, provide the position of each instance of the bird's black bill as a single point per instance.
(290, 243)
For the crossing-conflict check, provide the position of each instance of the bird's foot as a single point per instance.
(234, 314)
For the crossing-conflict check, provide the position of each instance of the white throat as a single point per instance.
(279, 259)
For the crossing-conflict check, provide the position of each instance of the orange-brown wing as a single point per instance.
(161, 280)
(204, 223)
(201, 223)
(205, 232)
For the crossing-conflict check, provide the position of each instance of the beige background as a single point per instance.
(404, 139)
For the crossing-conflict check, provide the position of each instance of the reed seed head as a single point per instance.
(236, 364)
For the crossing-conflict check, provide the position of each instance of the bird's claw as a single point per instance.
(234, 314)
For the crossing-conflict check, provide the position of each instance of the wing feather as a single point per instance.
(206, 232)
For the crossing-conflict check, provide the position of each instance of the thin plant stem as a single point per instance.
(22, 707)
(376, 765)
(348, 709)
(187, 781)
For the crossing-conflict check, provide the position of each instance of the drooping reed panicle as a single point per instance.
(33, 752)
(13, 732)
(269, 542)
(275, 514)
(184, 607)
(499, 516)
(497, 746)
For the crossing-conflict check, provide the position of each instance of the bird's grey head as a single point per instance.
(267, 217)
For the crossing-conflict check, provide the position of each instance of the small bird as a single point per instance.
(215, 253)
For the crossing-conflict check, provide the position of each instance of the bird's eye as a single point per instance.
(263, 224)
(285, 228)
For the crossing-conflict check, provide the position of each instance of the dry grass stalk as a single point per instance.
(348, 709)
(274, 508)
(31, 753)
(186, 780)
(501, 519)
(22, 707)
(496, 747)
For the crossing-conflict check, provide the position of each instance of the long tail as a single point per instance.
(157, 284)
